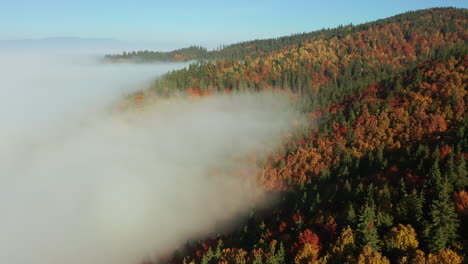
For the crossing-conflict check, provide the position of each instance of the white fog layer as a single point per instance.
(80, 184)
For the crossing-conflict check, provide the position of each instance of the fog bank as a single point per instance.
(80, 183)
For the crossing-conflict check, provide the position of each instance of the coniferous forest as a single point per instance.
(378, 172)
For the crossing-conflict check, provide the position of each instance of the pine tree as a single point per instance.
(276, 256)
(417, 204)
(347, 187)
(435, 177)
(366, 228)
(351, 215)
(385, 198)
(208, 257)
(403, 191)
(462, 173)
(450, 172)
(443, 225)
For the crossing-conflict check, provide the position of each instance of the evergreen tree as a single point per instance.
(351, 215)
(417, 204)
(276, 256)
(366, 228)
(435, 177)
(441, 231)
(462, 173)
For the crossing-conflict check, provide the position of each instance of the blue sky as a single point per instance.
(203, 22)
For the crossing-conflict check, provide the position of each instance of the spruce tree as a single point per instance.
(351, 215)
(450, 172)
(443, 224)
(417, 204)
(462, 173)
(435, 177)
(366, 228)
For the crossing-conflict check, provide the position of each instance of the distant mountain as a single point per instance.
(64, 42)
(69, 43)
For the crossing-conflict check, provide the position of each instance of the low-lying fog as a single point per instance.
(80, 184)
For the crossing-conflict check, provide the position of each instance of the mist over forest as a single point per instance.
(341, 145)
(86, 182)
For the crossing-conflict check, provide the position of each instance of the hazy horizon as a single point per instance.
(164, 26)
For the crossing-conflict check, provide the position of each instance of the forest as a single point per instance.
(378, 172)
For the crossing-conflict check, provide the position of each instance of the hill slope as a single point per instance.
(379, 173)
(264, 47)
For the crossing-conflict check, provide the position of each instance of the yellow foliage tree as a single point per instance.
(445, 256)
(342, 251)
(346, 239)
(419, 257)
(369, 256)
(402, 237)
(233, 255)
(308, 255)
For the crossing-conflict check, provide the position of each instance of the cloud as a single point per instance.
(81, 182)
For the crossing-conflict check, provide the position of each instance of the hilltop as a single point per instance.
(264, 47)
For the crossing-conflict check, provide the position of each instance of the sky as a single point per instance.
(184, 22)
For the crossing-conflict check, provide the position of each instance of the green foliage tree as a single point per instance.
(441, 231)
(366, 228)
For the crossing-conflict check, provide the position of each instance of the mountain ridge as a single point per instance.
(259, 47)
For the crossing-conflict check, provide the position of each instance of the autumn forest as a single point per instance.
(376, 173)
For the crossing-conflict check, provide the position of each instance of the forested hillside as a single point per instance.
(378, 174)
(185, 54)
(264, 47)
